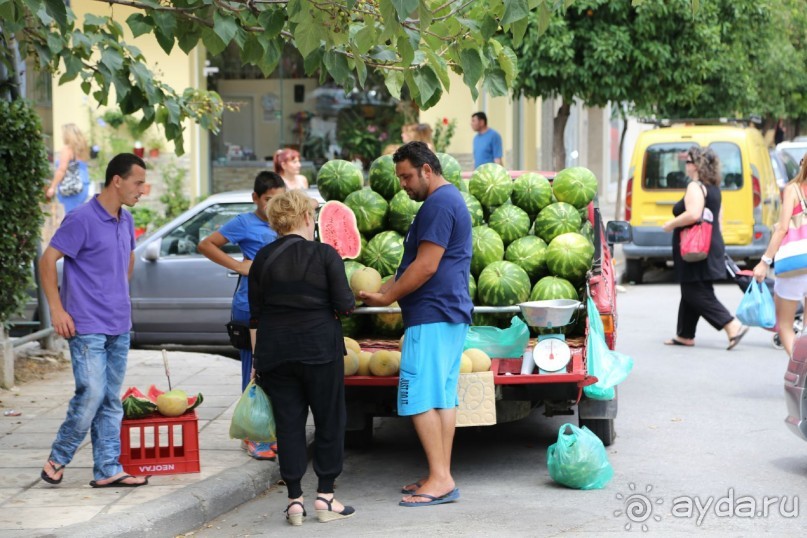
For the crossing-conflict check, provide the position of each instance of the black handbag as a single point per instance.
(71, 183)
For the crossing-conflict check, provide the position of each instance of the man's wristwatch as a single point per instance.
(767, 260)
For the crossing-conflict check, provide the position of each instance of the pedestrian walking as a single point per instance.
(71, 182)
(297, 286)
(96, 241)
(251, 232)
(789, 290)
(431, 287)
(487, 142)
(697, 278)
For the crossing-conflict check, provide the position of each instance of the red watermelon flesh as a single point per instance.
(193, 401)
(338, 228)
(132, 391)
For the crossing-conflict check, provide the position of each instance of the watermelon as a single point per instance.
(552, 287)
(529, 253)
(136, 404)
(510, 222)
(192, 401)
(452, 172)
(556, 219)
(336, 223)
(474, 208)
(336, 179)
(569, 256)
(370, 209)
(402, 211)
(486, 320)
(491, 185)
(532, 192)
(354, 325)
(576, 186)
(587, 231)
(472, 287)
(503, 283)
(384, 252)
(487, 248)
(382, 177)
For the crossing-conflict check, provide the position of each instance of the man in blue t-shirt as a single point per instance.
(251, 232)
(431, 287)
(487, 142)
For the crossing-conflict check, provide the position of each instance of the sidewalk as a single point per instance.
(170, 504)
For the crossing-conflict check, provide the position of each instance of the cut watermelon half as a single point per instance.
(193, 401)
(338, 228)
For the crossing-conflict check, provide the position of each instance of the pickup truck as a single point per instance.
(516, 395)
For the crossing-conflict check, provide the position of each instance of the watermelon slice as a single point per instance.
(338, 228)
(136, 404)
(193, 401)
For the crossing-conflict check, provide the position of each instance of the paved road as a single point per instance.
(700, 422)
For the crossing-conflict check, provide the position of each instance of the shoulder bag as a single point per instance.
(238, 330)
(791, 258)
(71, 183)
(696, 240)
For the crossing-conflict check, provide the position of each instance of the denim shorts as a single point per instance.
(430, 367)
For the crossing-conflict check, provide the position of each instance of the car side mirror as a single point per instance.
(618, 231)
(152, 252)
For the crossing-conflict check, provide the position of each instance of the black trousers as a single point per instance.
(698, 300)
(293, 387)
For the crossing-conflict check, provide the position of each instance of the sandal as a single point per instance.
(325, 516)
(295, 519)
(734, 340)
(56, 469)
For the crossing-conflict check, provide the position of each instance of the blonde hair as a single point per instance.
(74, 139)
(801, 177)
(419, 132)
(287, 211)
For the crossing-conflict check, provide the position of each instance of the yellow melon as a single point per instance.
(352, 344)
(364, 363)
(480, 359)
(383, 363)
(351, 363)
(365, 279)
(466, 365)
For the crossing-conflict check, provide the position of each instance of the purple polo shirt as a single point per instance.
(95, 281)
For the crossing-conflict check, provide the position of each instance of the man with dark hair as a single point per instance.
(96, 241)
(487, 142)
(251, 232)
(431, 286)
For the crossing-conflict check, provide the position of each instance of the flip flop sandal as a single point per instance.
(119, 483)
(407, 491)
(56, 468)
(737, 337)
(449, 497)
(676, 342)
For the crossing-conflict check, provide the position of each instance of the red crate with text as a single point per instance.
(158, 445)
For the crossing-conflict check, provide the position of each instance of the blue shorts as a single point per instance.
(430, 367)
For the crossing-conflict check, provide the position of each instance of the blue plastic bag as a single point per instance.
(578, 459)
(610, 367)
(500, 343)
(757, 308)
(253, 417)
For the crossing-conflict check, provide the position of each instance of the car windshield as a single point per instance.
(665, 165)
(184, 239)
(797, 152)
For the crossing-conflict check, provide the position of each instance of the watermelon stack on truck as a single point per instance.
(535, 237)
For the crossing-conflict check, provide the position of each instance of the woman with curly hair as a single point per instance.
(696, 278)
(287, 165)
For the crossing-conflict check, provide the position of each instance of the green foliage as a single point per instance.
(23, 171)
(174, 199)
(143, 216)
(443, 133)
(365, 137)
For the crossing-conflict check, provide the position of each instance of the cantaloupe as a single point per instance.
(466, 365)
(352, 344)
(480, 360)
(383, 363)
(364, 363)
(351, 363)
(365, 279)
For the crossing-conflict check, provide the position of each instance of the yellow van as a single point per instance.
(657, 181)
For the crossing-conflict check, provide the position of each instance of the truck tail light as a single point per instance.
(757, 190)
(628, 198)
(607, 323)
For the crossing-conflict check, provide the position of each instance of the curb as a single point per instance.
(184, 510)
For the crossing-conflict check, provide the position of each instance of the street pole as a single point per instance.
(6, 359)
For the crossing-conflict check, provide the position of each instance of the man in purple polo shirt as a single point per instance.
(92, 310)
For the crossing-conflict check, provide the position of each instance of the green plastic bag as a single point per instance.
(500, 343)
(253, 418)
(578, 460)
(610, 367)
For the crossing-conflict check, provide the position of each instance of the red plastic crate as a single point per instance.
(159, 445)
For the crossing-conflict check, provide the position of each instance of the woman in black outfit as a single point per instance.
(697, 292)
(296, 287)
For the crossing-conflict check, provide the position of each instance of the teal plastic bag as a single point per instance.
(578, 459)
(253, 417)
(610, 367)
(757, 308)
(500, 343)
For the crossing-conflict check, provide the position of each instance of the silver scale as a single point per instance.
(551, 353)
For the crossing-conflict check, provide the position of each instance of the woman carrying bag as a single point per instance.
(696, 278)
(788, 245)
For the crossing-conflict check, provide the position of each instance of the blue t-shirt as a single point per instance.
(95, 284)
(251, 234)
(487, 147)
(443, 219)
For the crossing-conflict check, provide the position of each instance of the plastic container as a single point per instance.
(159, 445)
(552, 313)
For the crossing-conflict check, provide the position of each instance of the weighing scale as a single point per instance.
(551, 353)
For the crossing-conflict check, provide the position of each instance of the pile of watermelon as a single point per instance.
(531, 238)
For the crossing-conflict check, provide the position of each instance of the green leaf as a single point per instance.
(544, 16)
(514, 10)
(313, 62)
(165, 22)
(8, 11)
(404, 8)
(139, 24)
(394, 80)
(509, 64)
(212, 42)
(384, 54)
(307, 37)
(112, 59)
(439, 67)
(225, 27)
(518, 29)
(472, 66)
(337, 66)
(361, 70)
(268, 63)
(489, 27)
(495, 83)
(365, 38)
(93, 21)
(425, 15)
(405, 50)
(252, 51)
(272, 21)
(188, 38)
(73, 65)
(57, 10)
(426, 81)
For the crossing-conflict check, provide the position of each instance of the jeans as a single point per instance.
(99, 365)
(246, 354)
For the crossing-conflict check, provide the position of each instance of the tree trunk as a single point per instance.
(621, 160)
(559, 129)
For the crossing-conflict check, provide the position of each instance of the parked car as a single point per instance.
(656, 181)
(785, 167)
(796, 149)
